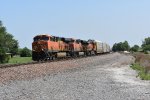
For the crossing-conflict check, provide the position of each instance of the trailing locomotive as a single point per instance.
(47, 47)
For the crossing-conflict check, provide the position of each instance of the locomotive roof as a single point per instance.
(42, 35)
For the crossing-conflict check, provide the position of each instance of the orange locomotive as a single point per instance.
(47, 47)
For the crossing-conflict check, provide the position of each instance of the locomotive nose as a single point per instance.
(40, 46)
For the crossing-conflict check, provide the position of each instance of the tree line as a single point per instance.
(10, 45)
(124, 46)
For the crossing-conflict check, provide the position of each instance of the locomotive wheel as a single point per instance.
(54, 57)
(75, 54)
(49, 58)
(85, 54)
(88, 53)
(42, 57)
(92, 52)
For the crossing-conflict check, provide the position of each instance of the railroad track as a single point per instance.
(48, 61)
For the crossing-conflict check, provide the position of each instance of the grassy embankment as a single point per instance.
(18, 60)
(141, 71)
(142, 65)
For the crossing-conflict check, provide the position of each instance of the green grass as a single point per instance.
(141, 71)
(19, 60)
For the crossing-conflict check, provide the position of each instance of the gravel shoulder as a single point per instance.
(105, 77)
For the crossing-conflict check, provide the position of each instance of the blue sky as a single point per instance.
(109, 21)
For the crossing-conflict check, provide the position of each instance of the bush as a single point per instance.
(146, 49)
(146, 44)
(4, 58)
(25, 52)
(135, 48)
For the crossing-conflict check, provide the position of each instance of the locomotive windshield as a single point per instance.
(41, 38)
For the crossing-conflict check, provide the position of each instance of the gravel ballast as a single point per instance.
(105, 77)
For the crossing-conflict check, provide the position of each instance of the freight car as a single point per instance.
(47, 47)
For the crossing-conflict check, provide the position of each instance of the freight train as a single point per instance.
(48, 47)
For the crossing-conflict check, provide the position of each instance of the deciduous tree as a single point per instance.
(146, 44)
(7, 44)
(121, 46)
(25, 52)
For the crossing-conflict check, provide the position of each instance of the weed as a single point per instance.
(141, 71)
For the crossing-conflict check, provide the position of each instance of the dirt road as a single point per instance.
(105, 77)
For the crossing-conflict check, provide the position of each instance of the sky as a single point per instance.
(109, 21)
